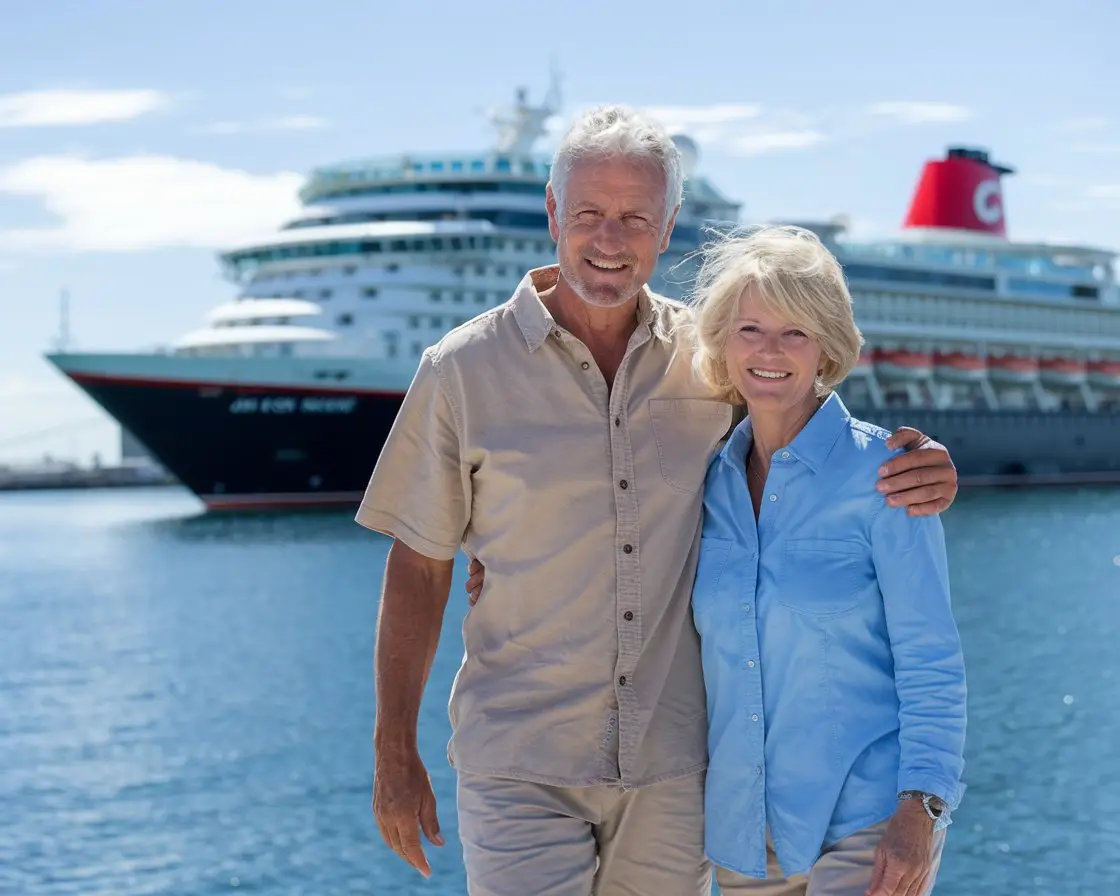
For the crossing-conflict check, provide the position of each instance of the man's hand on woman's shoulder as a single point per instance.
(922, 479)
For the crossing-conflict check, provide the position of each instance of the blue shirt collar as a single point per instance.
(811, 446)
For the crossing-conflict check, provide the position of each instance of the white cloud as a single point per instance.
(1107, 192)
(688, 117)
(920, 112)
(774, 141)
(285, 123)
(146, 202)
(740, 128)
(43, 108)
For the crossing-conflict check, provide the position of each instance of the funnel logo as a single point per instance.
(986, 202)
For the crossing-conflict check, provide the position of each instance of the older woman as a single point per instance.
(833, 668)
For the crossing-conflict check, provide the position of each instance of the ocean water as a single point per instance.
(186, 701)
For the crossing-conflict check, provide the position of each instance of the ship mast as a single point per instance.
(521, 125)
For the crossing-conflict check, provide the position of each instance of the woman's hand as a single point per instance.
(477, 574)
(904, 858)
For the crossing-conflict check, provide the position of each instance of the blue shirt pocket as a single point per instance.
(821, 576)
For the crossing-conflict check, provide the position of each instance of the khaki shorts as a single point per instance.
(520, 838)
(844, 869)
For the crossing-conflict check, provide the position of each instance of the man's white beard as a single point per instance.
(599, 296)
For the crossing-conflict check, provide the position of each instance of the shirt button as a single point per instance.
(785, 455)
(625, 484)
(622, 680)
(746, 608)
(758, 769)
(754, 718)
(628, 616)
(585, 365)
(617, 421)
(773, 497)
(750, 664)
(627, 549)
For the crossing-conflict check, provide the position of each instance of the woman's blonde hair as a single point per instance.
(796, 277)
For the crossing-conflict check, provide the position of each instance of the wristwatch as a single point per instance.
(935, 806)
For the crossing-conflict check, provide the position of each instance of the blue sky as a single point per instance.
(136, 139)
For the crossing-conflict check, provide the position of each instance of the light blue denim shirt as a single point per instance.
(833, 667)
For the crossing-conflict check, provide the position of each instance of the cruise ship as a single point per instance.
(1007, 352)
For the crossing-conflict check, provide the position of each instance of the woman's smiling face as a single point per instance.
(770, 360)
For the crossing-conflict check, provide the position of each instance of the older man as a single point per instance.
(562, 440)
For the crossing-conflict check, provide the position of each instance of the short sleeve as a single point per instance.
(419, 492)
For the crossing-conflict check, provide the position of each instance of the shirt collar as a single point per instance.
(536, 322)
(811, 446)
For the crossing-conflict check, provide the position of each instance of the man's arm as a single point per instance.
(413, 601)
(420, 496)
(923, 478)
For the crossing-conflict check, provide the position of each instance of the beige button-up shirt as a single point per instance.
(581, 662)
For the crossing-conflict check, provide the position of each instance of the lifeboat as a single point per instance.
(903, 364)
(1062, 371)
(865, 363)
(1013, 369)
(959, 366)
(1105, 374)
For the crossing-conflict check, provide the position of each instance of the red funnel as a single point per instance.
(962, 192)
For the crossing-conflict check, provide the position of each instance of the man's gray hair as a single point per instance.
(619, 132)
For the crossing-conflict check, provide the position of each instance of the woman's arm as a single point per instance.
(911, 565)
(912, 569)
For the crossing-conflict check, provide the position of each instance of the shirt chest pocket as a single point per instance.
(686, 431)
(822, 576)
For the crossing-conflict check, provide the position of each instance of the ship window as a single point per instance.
(500, 270)
(391, 350)
(501, 164)
(349, 270)
(417, 348)
(457, 297)
(456, 243)
(414, 323)
(370, 292)
(324, 293)
(393, 268)
(480, 269)
(436, 322)
(398, 246)
(435, 295)
(344, 320)
(480, 297)
(518, 245)
(456, 165)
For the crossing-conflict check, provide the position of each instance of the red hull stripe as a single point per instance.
(98, 379)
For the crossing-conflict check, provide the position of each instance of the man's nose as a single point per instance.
(609, 236)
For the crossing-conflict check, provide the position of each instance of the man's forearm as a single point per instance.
(408, 626)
